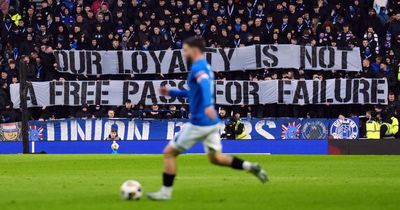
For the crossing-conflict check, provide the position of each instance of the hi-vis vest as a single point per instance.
(373, 129)
(392, 128)
(242, 135)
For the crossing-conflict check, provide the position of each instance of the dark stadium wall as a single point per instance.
(364, 147)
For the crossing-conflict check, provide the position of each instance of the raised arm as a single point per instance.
(173, 92)
(178, 93)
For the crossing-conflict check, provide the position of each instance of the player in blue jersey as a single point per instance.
(204, 122)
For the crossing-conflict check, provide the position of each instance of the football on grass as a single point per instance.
(131, 190)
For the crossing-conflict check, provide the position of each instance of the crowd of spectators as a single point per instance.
(31, 30)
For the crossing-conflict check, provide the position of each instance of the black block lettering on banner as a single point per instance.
(103, 92)
(375, 91)
(364, 90)
(176, 62)
(356, 91)
(54, 93)
(90, 62)
(31, 94)
(130, 89)
(148, 92)
(97, 62)
(380, 91)
(273, 60)
(258, 56)
(64, 58)
(172, 84)
(301, 92)
(374, 95)
(157, 59)
(219, 92)
(227, 57)
(282, 91)
(315, 92)
(75, 92)
(253, 92)
(86, 93)
(311, 58)
(348, 89)
(135, 64)
(356, 86)
(83, 92)
(66, 93)
(238, 95)
(323, 93)
(209, 52)
(345, 53)
(331, 57)
(73, 63)
(121, 68)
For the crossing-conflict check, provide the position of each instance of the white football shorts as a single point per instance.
(191, 134)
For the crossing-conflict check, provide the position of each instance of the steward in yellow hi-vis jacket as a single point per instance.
(373, 127)
(234, 129)
(240, 132)
(389, 124)
(390, 127)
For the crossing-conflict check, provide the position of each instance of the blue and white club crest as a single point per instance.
(344, 129)
(314, 130)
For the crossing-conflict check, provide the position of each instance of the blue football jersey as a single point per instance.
(200, 93)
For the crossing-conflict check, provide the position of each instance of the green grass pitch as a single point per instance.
(80, 182)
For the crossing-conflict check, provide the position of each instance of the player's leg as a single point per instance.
(186, 139)
(168, 176)
(213, 146)
(221, 159)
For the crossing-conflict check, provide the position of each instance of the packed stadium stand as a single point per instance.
(31, 31)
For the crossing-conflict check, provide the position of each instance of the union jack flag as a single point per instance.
(35, 133)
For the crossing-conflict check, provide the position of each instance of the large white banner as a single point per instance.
(302, 92)
(233, 59)
(299, 92)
